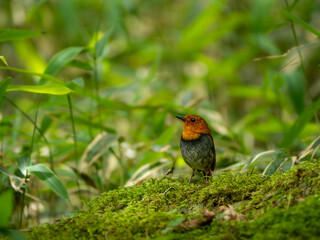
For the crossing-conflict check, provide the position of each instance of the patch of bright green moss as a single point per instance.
(279, 205)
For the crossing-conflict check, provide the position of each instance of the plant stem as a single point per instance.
(75, 143)
(302, 64)
(37, 128)
(29, 161)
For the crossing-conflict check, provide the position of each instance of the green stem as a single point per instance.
(302, 63)
(95, 66)
(29, 160)
(37, 128)
(75, 143)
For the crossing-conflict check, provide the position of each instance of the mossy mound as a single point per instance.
(280, 207)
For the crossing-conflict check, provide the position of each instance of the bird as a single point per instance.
(197, 145)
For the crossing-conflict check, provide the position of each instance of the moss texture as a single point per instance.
(282, 206)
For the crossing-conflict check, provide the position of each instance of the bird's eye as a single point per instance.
(193, 120)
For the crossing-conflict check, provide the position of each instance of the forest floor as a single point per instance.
(232, 205)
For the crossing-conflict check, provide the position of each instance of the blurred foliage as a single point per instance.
(250, 68)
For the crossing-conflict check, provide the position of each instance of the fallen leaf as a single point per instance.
(227, 213)
(197, 222)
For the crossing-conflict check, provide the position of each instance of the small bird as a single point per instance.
(197, 146)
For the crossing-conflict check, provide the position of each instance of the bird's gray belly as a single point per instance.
(198, 154)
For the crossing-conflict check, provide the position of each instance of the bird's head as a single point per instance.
(193, 127)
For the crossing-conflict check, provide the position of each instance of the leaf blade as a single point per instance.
(16, 34)
(53, 89)
(6, 203)
(292, 133)
(43, 75)
(43, 173)
(3, 87)
(300, 22)
(100, 45)
(61, 59)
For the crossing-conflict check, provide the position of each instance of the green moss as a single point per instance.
(280, 206)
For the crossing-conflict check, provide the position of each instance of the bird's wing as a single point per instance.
(213, 165)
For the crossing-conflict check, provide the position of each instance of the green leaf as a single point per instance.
(78, 82)
(3, 87)
(13, 235)
(5, 171)
(293, 132)
(54, 89)
(43, 75)
(276, 164)
(100, 45)
(266, 154)
(149, 157)
(300, 22)
(296, 89)
(99, 145)
(155, 151)
(80, 64)
(6, 203)
(166, 136)
(16, 34)
(294, 4)
(311, 148)
(45, 123)
(43, 173)
(61, 59)
(251, 92)
(87, 123)
(3, 60)
(23, 162)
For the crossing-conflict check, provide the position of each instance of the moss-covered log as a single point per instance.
(285, 205)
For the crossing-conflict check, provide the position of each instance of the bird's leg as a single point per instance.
(207, 174)
(191, 176)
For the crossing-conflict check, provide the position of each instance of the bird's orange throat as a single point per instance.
(189, 136)
(193, 131)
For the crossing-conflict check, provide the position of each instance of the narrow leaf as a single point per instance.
(166, 136)
(6, 203)
(61, 59)
(311, 148)
(23, 163)
(3, 60)
(100, 45)
(96, 149)
(78, 82)
(274, 165)
(3, 87)
(43, 173)
(43, 75)
(87, 123)
(296, 89)
(45, 123)
(6, 172)
(80, 64)
(269, 153)
(54, 89)
(16, 34)
(293, 132)
(300, 22)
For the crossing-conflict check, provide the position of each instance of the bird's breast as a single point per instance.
(198, 153)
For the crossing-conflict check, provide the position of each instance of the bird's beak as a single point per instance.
(182, 118)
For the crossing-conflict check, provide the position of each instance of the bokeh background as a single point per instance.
(250, 68)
